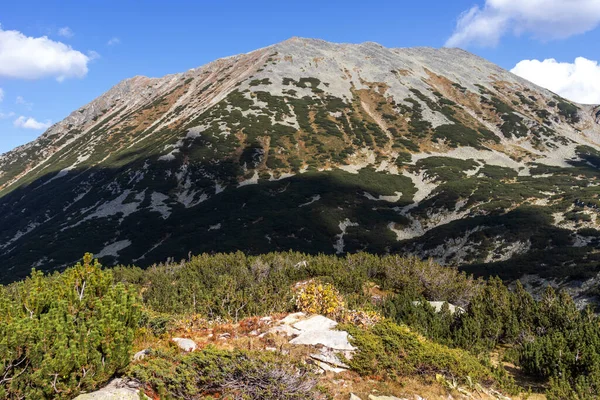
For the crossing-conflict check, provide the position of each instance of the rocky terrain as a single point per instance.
(317, 147)
(314, 339)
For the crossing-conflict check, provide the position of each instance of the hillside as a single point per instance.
(316, 147)
(291, 326)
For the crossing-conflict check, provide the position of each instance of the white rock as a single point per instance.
(372, 397)
(328, 368)
(291, 318)
(185, 344)
(437, 305)
(330, 358)
(337, 340)
(286, 330)
(140, 355)
(316, 323)
(115, 390)
(354, 397)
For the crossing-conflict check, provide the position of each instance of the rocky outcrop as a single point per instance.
(438, 306)
(117, 389)
(319, 332)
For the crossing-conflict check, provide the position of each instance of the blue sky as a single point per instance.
(91, 46)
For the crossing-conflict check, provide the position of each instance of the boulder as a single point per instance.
(185, 344)
(330, 358)
(437, 305)
(117, 389)
(328, 368)
(316, 323)
(337, 340)
(292, 318)
(286, 330)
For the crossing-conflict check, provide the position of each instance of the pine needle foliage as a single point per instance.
(64, 333)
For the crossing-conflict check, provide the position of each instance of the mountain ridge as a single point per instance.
(358, 147)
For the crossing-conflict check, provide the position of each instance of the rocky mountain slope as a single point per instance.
(316, 147)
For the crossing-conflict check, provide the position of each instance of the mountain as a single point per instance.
(316, 147)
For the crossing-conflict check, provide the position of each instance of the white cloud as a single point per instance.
(578, 81)
(6, 115)
(31, 123)
(543, 19)
(113, 41)
(21, 101)
(1, 94)
(93, 55)
(66, 32)
(33, 58)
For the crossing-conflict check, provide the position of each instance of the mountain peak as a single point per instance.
(313, 146)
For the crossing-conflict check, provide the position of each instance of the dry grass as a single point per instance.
(245, 336)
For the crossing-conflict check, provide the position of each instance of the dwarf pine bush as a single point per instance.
(63, 333)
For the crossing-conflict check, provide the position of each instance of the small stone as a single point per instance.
(330, 358)
(140, 355)
(185, 344)
(328, 368)
(354, 397)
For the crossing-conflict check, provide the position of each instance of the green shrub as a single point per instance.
(243, 375)
(392, 350)
(64, 333)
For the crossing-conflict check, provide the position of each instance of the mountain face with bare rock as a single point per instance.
(317, 147)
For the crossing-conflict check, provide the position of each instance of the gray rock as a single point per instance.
(140, 355)
(286, 330)
(292, 318)
(329, 368)
(316, 323)
(337, 340)
(437, 305)
(330, 358)
(117, 389)
(185, 344)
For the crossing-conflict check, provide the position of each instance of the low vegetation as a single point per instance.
(70, 332)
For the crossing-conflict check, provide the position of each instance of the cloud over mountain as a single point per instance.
(31, 123)
(578, 81)
(27, 57)
(543, 19)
